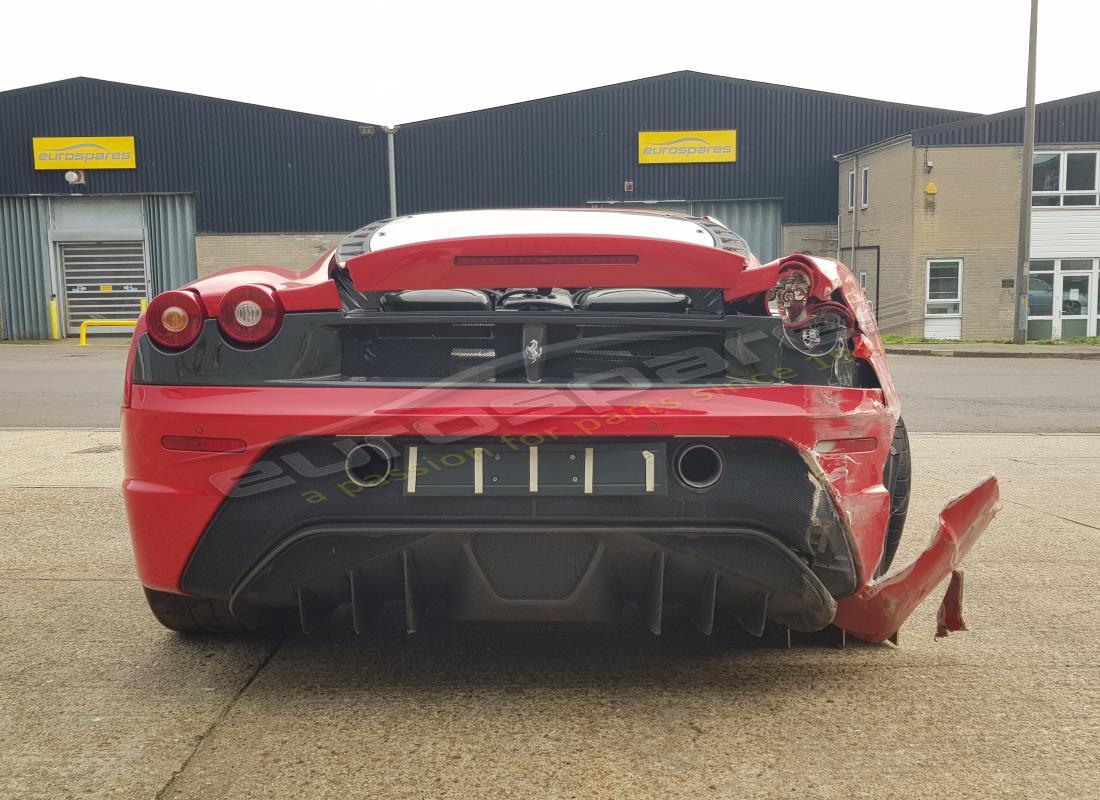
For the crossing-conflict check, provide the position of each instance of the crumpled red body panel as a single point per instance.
(950, 617)
(875, 612)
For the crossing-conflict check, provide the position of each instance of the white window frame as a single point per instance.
(1092, 306)
(1061, 193)
(928, 287)
(863, 280)
(865, 188)
(851, 190)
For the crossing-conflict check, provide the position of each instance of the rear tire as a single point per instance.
(896, 475)
(196, 615)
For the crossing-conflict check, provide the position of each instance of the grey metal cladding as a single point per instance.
(170, 231)
(24, 265)
(575, 148)
(251, 169)
(1072, 120)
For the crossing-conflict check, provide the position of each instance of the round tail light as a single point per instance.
(174, 319)
(828, 327)
(250, 314)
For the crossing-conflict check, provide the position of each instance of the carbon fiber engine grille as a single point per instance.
(497, 352)
(545, 566)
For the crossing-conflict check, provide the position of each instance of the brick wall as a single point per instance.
(812, 239)
(975, 216)
(884, 246)
(214, 252)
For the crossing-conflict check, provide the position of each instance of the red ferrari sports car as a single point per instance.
(527, 415)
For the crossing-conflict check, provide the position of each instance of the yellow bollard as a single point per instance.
(55, 326)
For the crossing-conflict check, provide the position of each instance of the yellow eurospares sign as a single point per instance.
(686, 147)
(84, 152)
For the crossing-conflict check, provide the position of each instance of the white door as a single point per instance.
(943, 299)
(1073, 293)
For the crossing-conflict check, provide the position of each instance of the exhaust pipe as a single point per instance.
(698, 466)
(369, 465)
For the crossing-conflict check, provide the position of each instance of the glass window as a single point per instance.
(1040, 329)
(851, 190)
(1040, 295)
(1073, 264)
(943, 280)
(1080, 172)
(1074, 328)
(866, 196)
(1047, 172)
(944, 288)
(1065, 179)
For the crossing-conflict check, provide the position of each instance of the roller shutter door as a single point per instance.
(103, 280)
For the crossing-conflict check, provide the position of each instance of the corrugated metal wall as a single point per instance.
(1074, 120)
(578, 148)
(24, 259)
(250, 168)
(170, 241)
(254, 169)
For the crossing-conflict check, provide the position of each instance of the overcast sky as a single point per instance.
(405, 60)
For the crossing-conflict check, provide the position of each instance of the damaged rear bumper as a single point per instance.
(877, 611)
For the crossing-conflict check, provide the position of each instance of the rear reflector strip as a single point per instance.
(507, 261)
(203, 444)
(533, 469)
(410, 481)
(479, 471)
(836, 446)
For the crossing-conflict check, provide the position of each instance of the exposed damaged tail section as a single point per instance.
(540, 415)
(876, 612)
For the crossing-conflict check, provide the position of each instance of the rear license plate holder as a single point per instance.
(555, 469)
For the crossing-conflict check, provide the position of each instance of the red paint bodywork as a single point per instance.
(876, 611)
(660, 264)
(307, 290)
(187, 488)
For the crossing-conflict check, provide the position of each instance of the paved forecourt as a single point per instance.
(96, 699)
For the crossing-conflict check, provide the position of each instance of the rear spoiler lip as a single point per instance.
(660, 264)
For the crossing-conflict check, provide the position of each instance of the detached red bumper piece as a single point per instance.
(527, 415)
(876, 612)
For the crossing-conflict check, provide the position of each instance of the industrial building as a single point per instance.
(934, 216)
(110, 193)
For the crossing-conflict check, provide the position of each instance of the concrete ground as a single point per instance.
(97, 700)
(1086, 352)
(62, 385)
